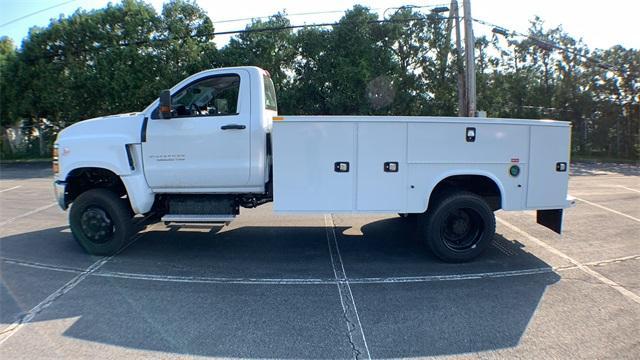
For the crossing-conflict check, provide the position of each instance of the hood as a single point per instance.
(121, 125)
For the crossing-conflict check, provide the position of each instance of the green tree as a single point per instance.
(407, 36)
(614, 79)
(184, 42)
(8, 65)
(358, 69)
(310, 77)
(271, 50)
(8, 95)
(115, 59)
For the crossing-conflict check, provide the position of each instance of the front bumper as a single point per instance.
(59, 190)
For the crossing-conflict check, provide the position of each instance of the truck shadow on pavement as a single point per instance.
(206, 296)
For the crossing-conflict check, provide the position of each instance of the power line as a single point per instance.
(252, 30)
(497, 29)
(269, 29)
(547, 44)
(287, 15)
(304, 26)
(324, 13)
(36, 12)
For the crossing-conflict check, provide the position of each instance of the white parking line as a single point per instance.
(612, 261)
(26, 318)
(294, 281)
(41, 266)
(622, 290)
(42, 208)
(12, 188)
(608, 209)
(312, 281)
(31, 314)
(628, 188)
(346, 296)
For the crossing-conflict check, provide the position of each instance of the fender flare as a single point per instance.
(139, 194)
(451, 173)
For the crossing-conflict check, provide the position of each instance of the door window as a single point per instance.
(211, 96)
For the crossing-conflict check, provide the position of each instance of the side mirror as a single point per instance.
(165, 104)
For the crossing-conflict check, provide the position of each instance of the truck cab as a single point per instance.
(214, 143)
(216, 133)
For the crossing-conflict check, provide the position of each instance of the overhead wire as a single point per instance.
(322, 13)
(274, 28)
(267, 29)
(36, 12)
(548, 44)
(540, 41)
(245, 31)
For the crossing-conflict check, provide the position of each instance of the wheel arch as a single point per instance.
(482, 183)
(139, 195)
(82, 179)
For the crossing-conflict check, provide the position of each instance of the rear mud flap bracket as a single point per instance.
(551, 219)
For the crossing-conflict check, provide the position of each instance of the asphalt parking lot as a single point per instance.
(325, 286)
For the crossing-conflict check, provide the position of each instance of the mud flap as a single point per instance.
(551, 219)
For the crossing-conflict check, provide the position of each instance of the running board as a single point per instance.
(210, 219)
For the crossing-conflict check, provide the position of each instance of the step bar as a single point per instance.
(207, 219)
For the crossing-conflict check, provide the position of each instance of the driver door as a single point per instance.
(205, 145)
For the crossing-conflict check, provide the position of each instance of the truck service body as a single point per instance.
(215, 143)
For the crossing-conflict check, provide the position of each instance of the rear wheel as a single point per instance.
(101, 222)
(458, 227)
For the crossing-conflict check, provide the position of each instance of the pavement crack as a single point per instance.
(355, 333)
(351, 326)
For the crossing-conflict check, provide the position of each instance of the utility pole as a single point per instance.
(469, 48)
(462, 102)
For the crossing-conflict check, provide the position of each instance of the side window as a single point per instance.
(212, 96)
(269, 94)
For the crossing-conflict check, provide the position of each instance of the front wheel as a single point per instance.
(459, 227)
(100, 222)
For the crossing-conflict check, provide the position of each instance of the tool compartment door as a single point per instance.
(382, 188)
(547, 184)
(305, 178)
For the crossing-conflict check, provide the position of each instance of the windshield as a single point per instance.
(269, 94)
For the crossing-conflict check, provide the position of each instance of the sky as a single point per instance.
(599, 24)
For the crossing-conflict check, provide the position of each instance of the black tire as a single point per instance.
(101, 221)
(458, 227)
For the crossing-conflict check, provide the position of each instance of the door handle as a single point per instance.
(233, 127)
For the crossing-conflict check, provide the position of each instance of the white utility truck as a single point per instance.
(215, 143)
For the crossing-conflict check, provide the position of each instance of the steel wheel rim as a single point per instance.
(97, 225)
(461, 229)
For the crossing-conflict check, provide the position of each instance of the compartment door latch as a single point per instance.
(341, 166)
(391, 166)
(471, 134)
(561, 166)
